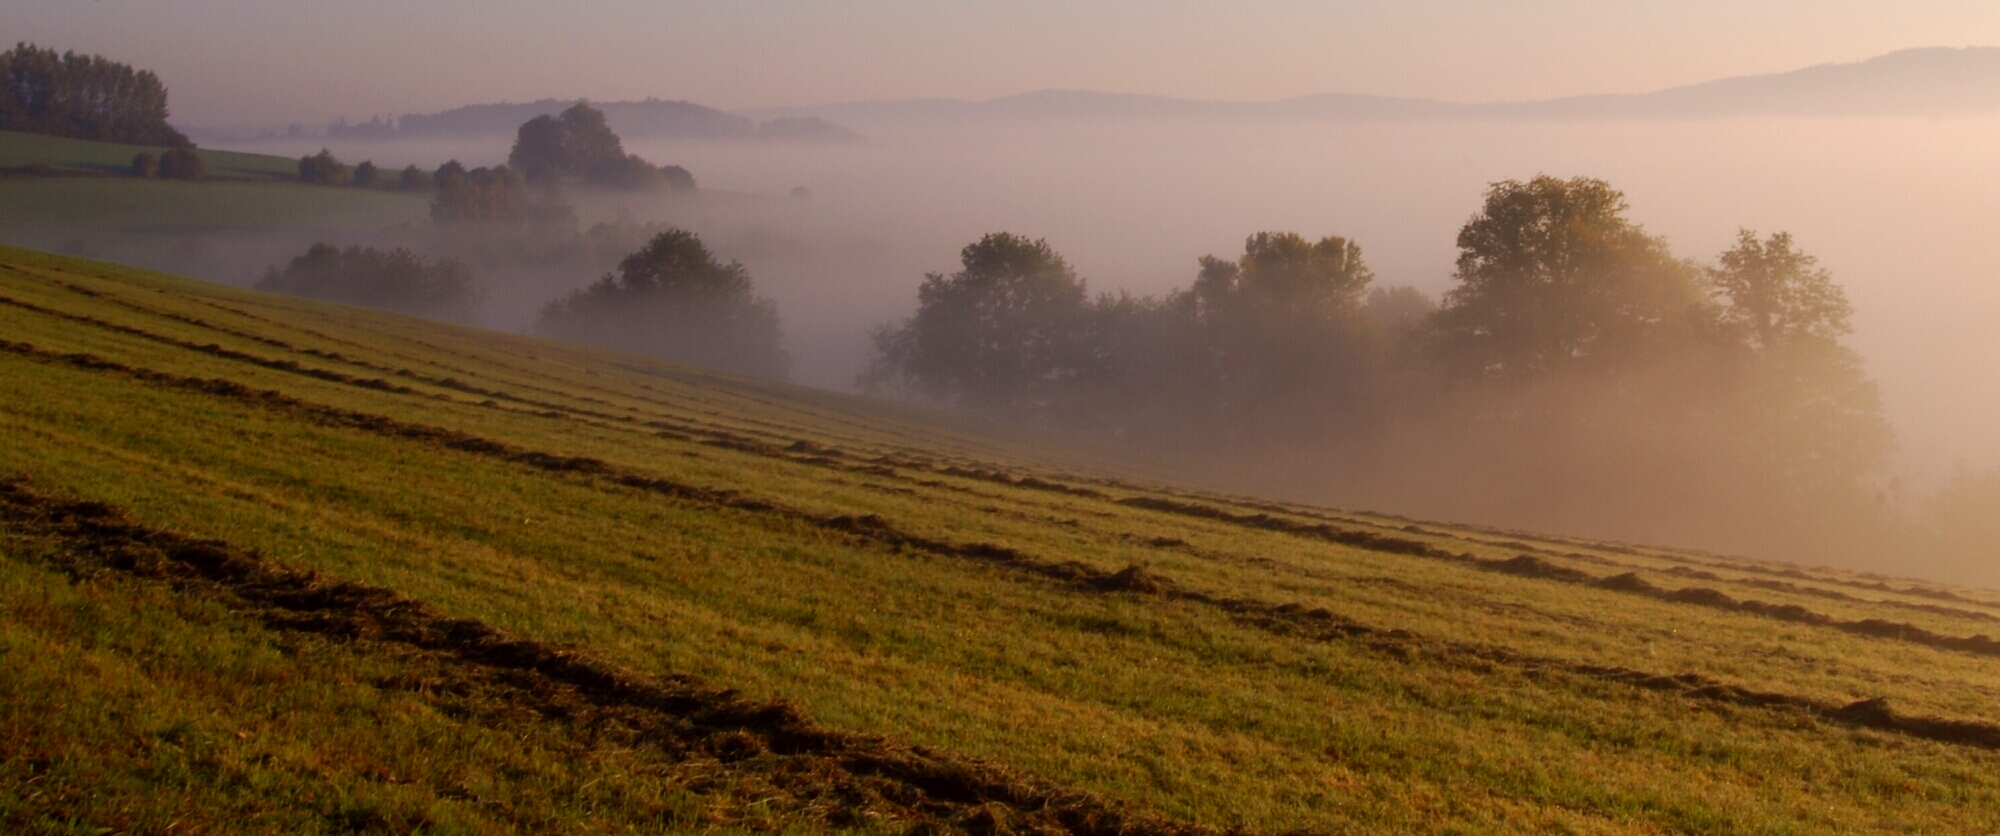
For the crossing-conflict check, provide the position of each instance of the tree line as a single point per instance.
(1575, 362)
(83, 97)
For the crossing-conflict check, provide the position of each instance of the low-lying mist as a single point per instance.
(1900, 211)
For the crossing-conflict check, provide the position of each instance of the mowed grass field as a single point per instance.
(278, 566)
(20, 149)
(252, 212)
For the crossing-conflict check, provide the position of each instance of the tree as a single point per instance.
(494, 196)
(365, 174)
(579, 143)
(322, 168)
(588, 139)
(182, 164)
(145, 165)
(627, 172)
(1282, 331)
(1002, 334)
(540, 153)
(573, 144)
(1812, 416)
(1552, 276)
(672, 299)
(83, 97)
(1778, 295)
(396, 280)
(414, 179)
(1398, 310)
(680, 180)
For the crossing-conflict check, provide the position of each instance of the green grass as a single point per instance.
(225, 229)
(1195, 700)
(19, 149)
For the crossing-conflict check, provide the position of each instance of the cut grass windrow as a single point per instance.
(1530, 566)
(843, 777)
(1283, 619)
(810, 454)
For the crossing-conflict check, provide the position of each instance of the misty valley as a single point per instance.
(1066, 463)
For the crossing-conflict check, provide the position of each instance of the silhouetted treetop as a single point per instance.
(1778, 294)
(1551, 275)
(995, 335)
(579, 144)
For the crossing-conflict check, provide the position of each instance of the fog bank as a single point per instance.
(1897, 209)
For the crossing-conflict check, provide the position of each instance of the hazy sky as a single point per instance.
(274, 61)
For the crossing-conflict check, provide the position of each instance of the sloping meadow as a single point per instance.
(321, 569)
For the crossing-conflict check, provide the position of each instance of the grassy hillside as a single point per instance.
(82, 155)
(279, 566)
(225, 229)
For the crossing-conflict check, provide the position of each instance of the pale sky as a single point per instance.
(278, 61)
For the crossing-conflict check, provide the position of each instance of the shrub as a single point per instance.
(365, 174)
(145, 165)
(182, 164)
(415, 179)
(396, 280)
(322, 168)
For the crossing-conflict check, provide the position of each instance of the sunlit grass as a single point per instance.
(1173, 705)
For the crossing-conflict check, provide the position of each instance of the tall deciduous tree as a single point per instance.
(1813, 415)
(1002, 334)
(1281, 328)
(539, 151)
(1552, 276)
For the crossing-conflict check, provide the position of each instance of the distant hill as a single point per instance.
(649, 119)
(1914, 82)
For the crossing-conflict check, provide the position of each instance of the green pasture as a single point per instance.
(251, 214)
(1482, 716)
(20, 149)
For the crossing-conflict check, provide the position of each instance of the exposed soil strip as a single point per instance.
(821, 767)
(1284, 619)
(1628, 582)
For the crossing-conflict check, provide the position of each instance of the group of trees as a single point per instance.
(1285, 334)
(395, 279)
(1575, 349)
(670, 298)
(579, 144)
(673, 299)
(325, 169)
(83, 97)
